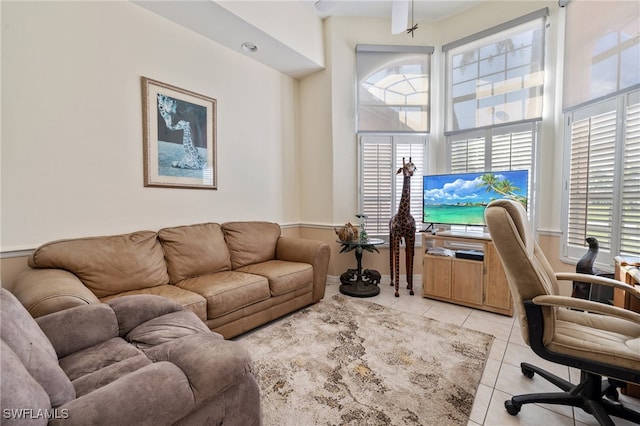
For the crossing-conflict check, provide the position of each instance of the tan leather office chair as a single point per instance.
(599, 339)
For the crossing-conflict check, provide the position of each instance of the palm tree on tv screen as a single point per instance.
(503, 187)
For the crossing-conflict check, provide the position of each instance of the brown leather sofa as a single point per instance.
(234, 277)
(135, 360)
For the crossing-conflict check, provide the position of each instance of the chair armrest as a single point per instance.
(155, 394)
(315, 253)
(597, 279)
(586, 305)
(43, 291)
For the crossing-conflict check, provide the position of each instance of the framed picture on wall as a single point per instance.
(179, 137)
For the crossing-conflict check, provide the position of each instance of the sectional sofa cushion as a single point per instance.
(194, 250)
(284, 277)
(228, 291)
(190, 300)
(108, 265)
(251, 242)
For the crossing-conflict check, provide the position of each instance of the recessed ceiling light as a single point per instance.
(249, 47)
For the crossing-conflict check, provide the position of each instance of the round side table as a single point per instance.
(356, 282)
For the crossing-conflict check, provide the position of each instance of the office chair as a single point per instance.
(598, 339)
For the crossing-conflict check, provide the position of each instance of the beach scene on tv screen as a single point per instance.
(462, 198)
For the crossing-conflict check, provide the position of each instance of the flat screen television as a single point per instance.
(461, 198)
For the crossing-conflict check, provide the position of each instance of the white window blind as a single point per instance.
(496, 76)
(381, 187)
(393, 88)
(602, 49)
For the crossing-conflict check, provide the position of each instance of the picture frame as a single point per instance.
(179, 137)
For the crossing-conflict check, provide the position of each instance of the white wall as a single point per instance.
(72, 124)
(287, 150)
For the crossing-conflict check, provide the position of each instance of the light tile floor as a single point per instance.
(502, 377)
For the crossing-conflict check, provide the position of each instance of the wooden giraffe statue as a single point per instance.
(403, 225)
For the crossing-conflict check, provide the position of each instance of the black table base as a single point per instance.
(363, 284)
(358, 282)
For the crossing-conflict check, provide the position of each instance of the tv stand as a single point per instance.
(465, 269)
(429, 228)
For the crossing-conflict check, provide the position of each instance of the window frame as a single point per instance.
(485, 137)
(617, 103)
(394, 54)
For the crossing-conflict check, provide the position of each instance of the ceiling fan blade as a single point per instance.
(399, 16)
(323, 6)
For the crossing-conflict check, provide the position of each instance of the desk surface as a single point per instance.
(631, 266)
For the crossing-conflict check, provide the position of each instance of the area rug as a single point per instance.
(346, 361)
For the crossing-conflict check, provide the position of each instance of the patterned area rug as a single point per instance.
(348, 361)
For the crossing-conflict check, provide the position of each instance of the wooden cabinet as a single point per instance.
(627, 271)
(478, 283)
(436, 280)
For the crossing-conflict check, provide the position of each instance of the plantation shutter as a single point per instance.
(512, 150)
(603, 188)
(467, 155)
(501, 148)
(381, 188)
(630, 221)
(591, 192)
(413, 151)
(377, 161)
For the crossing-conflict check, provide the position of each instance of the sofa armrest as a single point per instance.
(315, 253)
(211, 364)
(43, 291)
(133, 310)
(80, 327)
(155, 394)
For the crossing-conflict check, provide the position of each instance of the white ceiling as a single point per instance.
(423, 10)
(219, 24)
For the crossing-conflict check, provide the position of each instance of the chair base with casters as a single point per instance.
(594, 395)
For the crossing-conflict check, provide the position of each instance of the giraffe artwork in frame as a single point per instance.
(179, 137)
